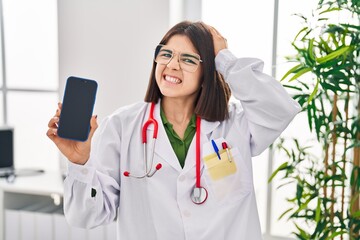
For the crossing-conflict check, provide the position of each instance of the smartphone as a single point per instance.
(77, 108)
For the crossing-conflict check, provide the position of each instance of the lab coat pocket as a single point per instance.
(220, 168)
(228, 179)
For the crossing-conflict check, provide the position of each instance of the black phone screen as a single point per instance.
(77, 107)
(6, 148)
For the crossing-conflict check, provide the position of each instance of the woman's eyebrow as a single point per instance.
(166, 50)
(189, 55)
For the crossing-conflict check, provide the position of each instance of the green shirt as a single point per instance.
(180, 146)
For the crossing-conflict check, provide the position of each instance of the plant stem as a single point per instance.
(354, 190)
(356, 164)
(344, 155)
(326, 165)
(357, 160)
(333, 167)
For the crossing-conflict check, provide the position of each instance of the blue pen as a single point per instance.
(215, 149)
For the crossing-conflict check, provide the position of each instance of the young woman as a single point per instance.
(196, 181)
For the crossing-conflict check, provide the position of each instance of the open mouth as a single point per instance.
(172, 79)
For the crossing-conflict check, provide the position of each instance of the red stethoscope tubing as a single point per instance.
(148, 170)
(198, 124)
(151, 120)
(199, 193)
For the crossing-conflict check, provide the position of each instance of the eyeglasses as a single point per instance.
(188, 61)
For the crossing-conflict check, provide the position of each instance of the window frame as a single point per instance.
(7, 91)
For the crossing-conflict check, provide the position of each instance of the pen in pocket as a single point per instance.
(225, 146)
(216, 149)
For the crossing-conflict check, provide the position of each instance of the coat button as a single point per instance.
(84, 171)
(182, 178)
(187, 213)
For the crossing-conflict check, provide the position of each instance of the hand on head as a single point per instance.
(76, 152)
(220, 42)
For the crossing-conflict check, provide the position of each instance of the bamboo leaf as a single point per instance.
(354, 174)
(301, 16)
(325, 65)
(317, 121)
(350, 26)
(314, 92)
(299, 73)
(330, 10)
(309, 115)
(333, 55)
(311, 50)
(303, 206)
(331, 87)
(303, 234)
(299, 192)
(281, 167)
(324, 44)
(318, 211)
(284, 184)
(356, 214)
(304, 85)
(332, 35)
(319, 229)
(354, 145)
(292, 70)
(284, 213)
(332, 236)
(293, 87)
(307, 33)
(302, 30)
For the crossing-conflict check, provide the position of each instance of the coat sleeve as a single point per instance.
(268, 108)
(91, 191)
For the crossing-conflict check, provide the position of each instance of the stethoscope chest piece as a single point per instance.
(199, 195)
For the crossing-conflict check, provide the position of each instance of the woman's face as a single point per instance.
(173, 81)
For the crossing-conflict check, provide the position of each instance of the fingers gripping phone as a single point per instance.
(77, 108)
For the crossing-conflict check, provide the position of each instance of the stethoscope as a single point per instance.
(199, 193)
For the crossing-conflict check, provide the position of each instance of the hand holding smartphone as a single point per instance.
(77, 108)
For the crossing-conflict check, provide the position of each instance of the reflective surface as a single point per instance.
(29, 115)
(30, 31)
(188, 61)
(199, 195)
(1, 109)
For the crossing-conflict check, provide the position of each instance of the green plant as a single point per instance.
(326, 79)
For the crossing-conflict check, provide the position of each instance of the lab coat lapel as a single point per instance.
(206, 129)
(163, 148)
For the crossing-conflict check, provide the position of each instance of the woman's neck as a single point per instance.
(177, 111)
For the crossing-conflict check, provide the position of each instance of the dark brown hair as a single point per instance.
(214, 95)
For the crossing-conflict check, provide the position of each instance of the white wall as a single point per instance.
(112, 42)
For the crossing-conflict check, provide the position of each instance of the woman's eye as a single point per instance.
(188, 61)
(166, 55)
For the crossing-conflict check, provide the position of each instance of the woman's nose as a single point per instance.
(174, 63)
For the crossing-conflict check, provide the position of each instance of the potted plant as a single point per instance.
(326, 82)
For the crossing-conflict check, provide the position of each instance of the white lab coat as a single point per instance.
(160, 208)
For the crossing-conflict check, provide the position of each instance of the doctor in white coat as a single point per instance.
(197, 182)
